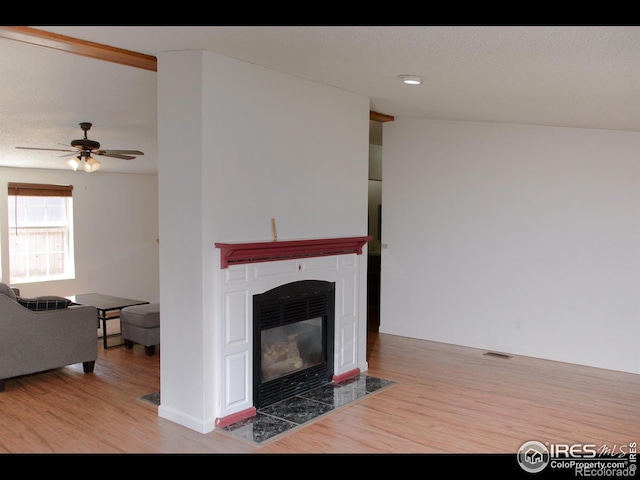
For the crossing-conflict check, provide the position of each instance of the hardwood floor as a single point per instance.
(447, 399)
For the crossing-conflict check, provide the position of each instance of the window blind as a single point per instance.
(40, 190)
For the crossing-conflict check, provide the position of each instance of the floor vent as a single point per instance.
(496, 354)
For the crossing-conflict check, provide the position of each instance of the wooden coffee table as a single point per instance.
(108, 308)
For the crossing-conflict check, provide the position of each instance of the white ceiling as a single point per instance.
(585, 77)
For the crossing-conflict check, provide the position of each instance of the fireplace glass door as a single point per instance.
(290, 348)
(293, 340)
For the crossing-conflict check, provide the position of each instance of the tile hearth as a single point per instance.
(288, 414)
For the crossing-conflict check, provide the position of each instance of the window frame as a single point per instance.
(45, 190)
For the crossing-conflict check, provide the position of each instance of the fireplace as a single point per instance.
(293, 339)
(302, 303)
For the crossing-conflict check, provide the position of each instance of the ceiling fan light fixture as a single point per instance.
(91, 165)
(411, 79)
(74, 163)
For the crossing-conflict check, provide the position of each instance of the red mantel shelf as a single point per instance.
(254, 252)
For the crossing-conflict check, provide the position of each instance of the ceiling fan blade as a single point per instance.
(113, 155)
(118, 152)
(47, 149)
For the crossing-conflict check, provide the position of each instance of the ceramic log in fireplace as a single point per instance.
(293, 339)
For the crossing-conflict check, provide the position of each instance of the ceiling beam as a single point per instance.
(84, 48)
(98, 51)
(380, 117)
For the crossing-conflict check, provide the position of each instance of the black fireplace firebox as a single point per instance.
(293, 336)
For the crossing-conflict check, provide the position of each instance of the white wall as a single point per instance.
(517, 239)
(115, 226)
(253, 145)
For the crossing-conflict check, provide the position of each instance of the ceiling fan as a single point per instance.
(85, 148)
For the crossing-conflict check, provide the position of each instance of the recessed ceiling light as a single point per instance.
(411, 79)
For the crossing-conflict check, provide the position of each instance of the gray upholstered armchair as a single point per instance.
(33, 341)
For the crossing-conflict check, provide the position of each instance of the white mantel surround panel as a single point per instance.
(233, 320)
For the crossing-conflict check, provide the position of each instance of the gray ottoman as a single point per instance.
(141, 324)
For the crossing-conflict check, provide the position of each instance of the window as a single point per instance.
(40, 232)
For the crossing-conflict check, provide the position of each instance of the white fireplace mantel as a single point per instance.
(246, 269)
(254, 252)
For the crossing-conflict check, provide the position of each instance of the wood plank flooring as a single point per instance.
(447, 399)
